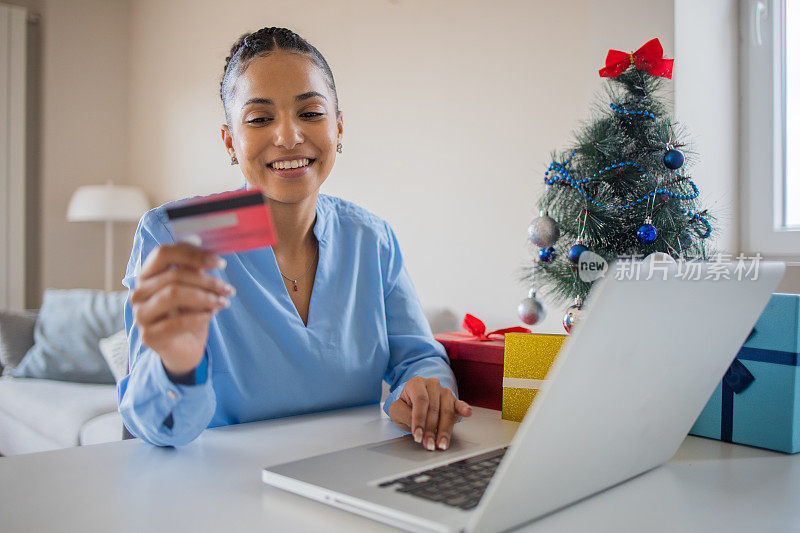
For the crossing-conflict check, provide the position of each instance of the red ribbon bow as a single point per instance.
(650, 58)
(478, 328)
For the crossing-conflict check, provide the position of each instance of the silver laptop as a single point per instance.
(621, 396)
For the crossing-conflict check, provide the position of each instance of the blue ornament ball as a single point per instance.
(673, 159)
(547, 254)
(575, 252)
(647, 233)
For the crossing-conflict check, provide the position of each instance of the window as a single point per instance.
(792, 92)
(770, 127)
(13, 27)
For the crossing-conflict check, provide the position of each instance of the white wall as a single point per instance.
(451, 109)
(85, 138)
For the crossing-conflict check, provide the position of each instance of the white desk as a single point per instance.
(214, 484)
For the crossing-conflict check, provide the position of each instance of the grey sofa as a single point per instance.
(60, 406)
(41, 414)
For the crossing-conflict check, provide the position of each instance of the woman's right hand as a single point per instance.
(173, 301)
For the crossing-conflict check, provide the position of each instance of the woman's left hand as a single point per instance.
(428, 411)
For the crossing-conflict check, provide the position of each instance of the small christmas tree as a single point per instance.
(622, 189)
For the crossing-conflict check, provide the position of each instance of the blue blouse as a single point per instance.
(365, 323)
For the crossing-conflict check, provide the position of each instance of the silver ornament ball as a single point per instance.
(531, 311)
(543, 231)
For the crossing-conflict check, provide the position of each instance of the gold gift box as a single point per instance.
(526, 359)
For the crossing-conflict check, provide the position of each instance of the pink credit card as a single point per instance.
(223, 223)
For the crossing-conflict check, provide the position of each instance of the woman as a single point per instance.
(317, 320)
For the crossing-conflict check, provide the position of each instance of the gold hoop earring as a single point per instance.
(339, 148)
(234, 161)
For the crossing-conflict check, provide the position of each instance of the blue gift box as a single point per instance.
(758, 401)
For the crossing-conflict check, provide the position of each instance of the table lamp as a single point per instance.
(107, 203)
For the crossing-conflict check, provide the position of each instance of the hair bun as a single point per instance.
(259, 38)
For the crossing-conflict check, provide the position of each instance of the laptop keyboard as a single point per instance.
(458, 484)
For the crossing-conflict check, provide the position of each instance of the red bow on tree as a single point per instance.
(478, 329)
(650, 58)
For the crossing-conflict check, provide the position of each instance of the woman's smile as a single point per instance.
(292, 166)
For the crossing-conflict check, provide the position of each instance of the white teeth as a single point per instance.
(295, 163)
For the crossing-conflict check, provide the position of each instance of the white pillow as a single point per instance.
(115, 352)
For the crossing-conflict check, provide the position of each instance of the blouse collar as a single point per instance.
(323, 213)
(321, 224)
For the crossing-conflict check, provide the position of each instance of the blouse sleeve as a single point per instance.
(153, 407)
(412, 349)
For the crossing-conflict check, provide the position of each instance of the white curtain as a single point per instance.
(13, 28)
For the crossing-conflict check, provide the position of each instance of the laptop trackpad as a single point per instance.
(406, 448)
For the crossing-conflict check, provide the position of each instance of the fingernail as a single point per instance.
(443, 444)
(224, 302)
(230, 289)
(430, 445)
(221, 263)
(418, 435)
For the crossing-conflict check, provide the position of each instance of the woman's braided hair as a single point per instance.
(261, 43)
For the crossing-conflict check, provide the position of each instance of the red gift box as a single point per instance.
(477, 362)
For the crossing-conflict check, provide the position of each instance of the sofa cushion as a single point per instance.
(56, 410)
(101, 429)
(67, 335)
(115, 352)
(16, 437)
(16, 337)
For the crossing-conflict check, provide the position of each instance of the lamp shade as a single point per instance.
(107, 203)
